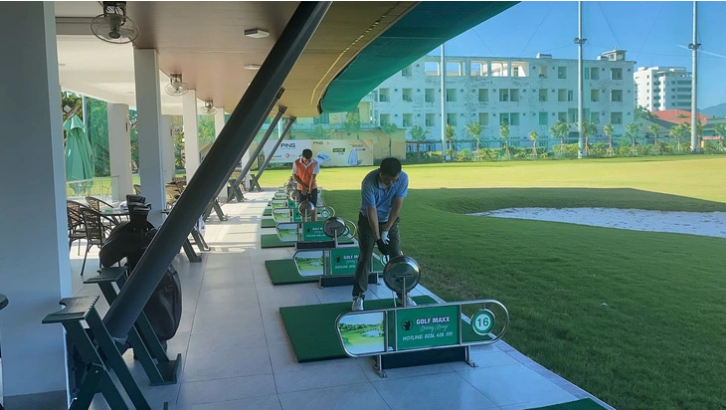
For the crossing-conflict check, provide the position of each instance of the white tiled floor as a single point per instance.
(236, 353)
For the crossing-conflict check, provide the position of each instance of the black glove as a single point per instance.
(382, 246)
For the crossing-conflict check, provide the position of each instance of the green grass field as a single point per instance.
(636, 318)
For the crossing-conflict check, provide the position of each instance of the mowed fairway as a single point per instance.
(636, 318)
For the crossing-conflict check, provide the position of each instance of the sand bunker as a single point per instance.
(694, 223)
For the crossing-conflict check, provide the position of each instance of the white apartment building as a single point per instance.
(528, 94)
(663, 88)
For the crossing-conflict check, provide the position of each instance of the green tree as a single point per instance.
(389, 128)
(608, 130)
(678, 132)
(699, 133)
(450, 134)
(504, 134)
(71, 104)
(418, 134)
(653, 128)
(642, 112)
(720, 130)
(351, 125)
(588, 129)
(533, 136)
(560, 129)
(474, 129)
(97, 130)
(631, 130)
(205, 129)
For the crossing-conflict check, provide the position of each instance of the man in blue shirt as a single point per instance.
(382, 193)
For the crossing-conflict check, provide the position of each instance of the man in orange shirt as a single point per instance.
(304, 171)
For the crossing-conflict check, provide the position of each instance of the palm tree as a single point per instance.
(631, 130)
(560, 129)
(450, 134)
(474, 129)
(504, 134)
(678, 132)
(654, 130)
(608, 130)
(533, 136)
(418, 134)
(588, 129)
(720, 130)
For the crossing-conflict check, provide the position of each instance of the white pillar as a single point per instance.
(219, 122)
(148, 105)
(34, 262)
(119, 147)
(167, 142)
(191, 133)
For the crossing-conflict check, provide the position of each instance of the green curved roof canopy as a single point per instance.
(424, 28)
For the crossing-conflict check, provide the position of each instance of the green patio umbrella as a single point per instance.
(79, 164)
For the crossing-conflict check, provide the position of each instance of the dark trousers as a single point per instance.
(366, 241)
(312, 196)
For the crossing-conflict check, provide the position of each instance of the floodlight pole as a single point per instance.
(580, 109)
(236, 137)
(443, 103)
(695, 148)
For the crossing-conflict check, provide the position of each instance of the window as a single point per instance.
(543, 95)
(586, 73)
(562, 116)
(504, 118)
(570, 95)
(431, 68)
(384, 95)
(616, 95)
(616, 118)
(407, 72)
(478, 69)
(407, 120)
(429, 120)
(594, 73)
(594, 95)
(514, 119)
(595, 117)
(450, 94)
(451, 119)
(503, 94)
(385, 119)
(562, 73)
(483, 118)
(561, 95)
(514, 95)
(483, 95)
(542, 72)
(407, 94)
(453, 69)
(429, 95)
(500, 69)
(572, 115)
(543, 120)
(616, 73)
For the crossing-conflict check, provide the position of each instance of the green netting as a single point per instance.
(424, 28)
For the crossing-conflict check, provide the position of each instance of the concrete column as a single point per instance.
(167, 143)
(119, 147)
(148, 105)
(191, 133)
(219, 122)
(34, 265)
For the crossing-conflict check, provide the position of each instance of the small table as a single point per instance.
(115, 212)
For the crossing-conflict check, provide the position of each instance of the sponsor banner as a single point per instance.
(362, 333)
(329, 153)
(426, 327)
(343, 261)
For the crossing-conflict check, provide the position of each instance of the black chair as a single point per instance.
(96, 227)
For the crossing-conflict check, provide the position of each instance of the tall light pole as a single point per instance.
(694, 83)
(443, 103)
(580, 110)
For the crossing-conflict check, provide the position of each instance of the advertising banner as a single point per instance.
(329, 153)
(313, 232)
(343, 261)
(362, 333)
(425, 327)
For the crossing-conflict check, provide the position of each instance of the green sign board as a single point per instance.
(313, 232)
(427, 327)
(482, 322)
(290, 203)
(343, 261)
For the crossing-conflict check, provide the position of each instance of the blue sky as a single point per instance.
(653, 33)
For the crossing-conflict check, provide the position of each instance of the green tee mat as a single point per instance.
(311, 329)
(273, 241)
(268, 212)
(284, 272)
(584, 404)
(268, 223)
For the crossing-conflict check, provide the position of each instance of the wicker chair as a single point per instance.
(137, 189)
(76, 231)
(95, 230)
(98, 205)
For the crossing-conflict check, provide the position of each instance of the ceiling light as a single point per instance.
(256, 33)
(252, 66)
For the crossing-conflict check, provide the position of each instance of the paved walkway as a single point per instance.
(237, 356)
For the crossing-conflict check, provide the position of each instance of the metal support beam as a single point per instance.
(236, 137)
(695, 147)
(280, 111)
(287, 129)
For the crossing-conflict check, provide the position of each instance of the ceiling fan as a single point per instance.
(114, 26)
(176, 86)
(208, 108)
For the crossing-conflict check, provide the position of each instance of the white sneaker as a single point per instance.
(357, 304)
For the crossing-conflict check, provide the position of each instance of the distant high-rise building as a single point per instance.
(663, 88)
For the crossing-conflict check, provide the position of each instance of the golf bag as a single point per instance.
(129, 240)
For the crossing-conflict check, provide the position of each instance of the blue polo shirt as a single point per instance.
(373, 193)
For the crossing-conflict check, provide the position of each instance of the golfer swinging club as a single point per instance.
(305, 171)
(382, 193)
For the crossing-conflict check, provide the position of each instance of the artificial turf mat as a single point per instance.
(273, 241)
(268, 223)
(311, 329)
(584, 404)
(268, 212)
(284, 272)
